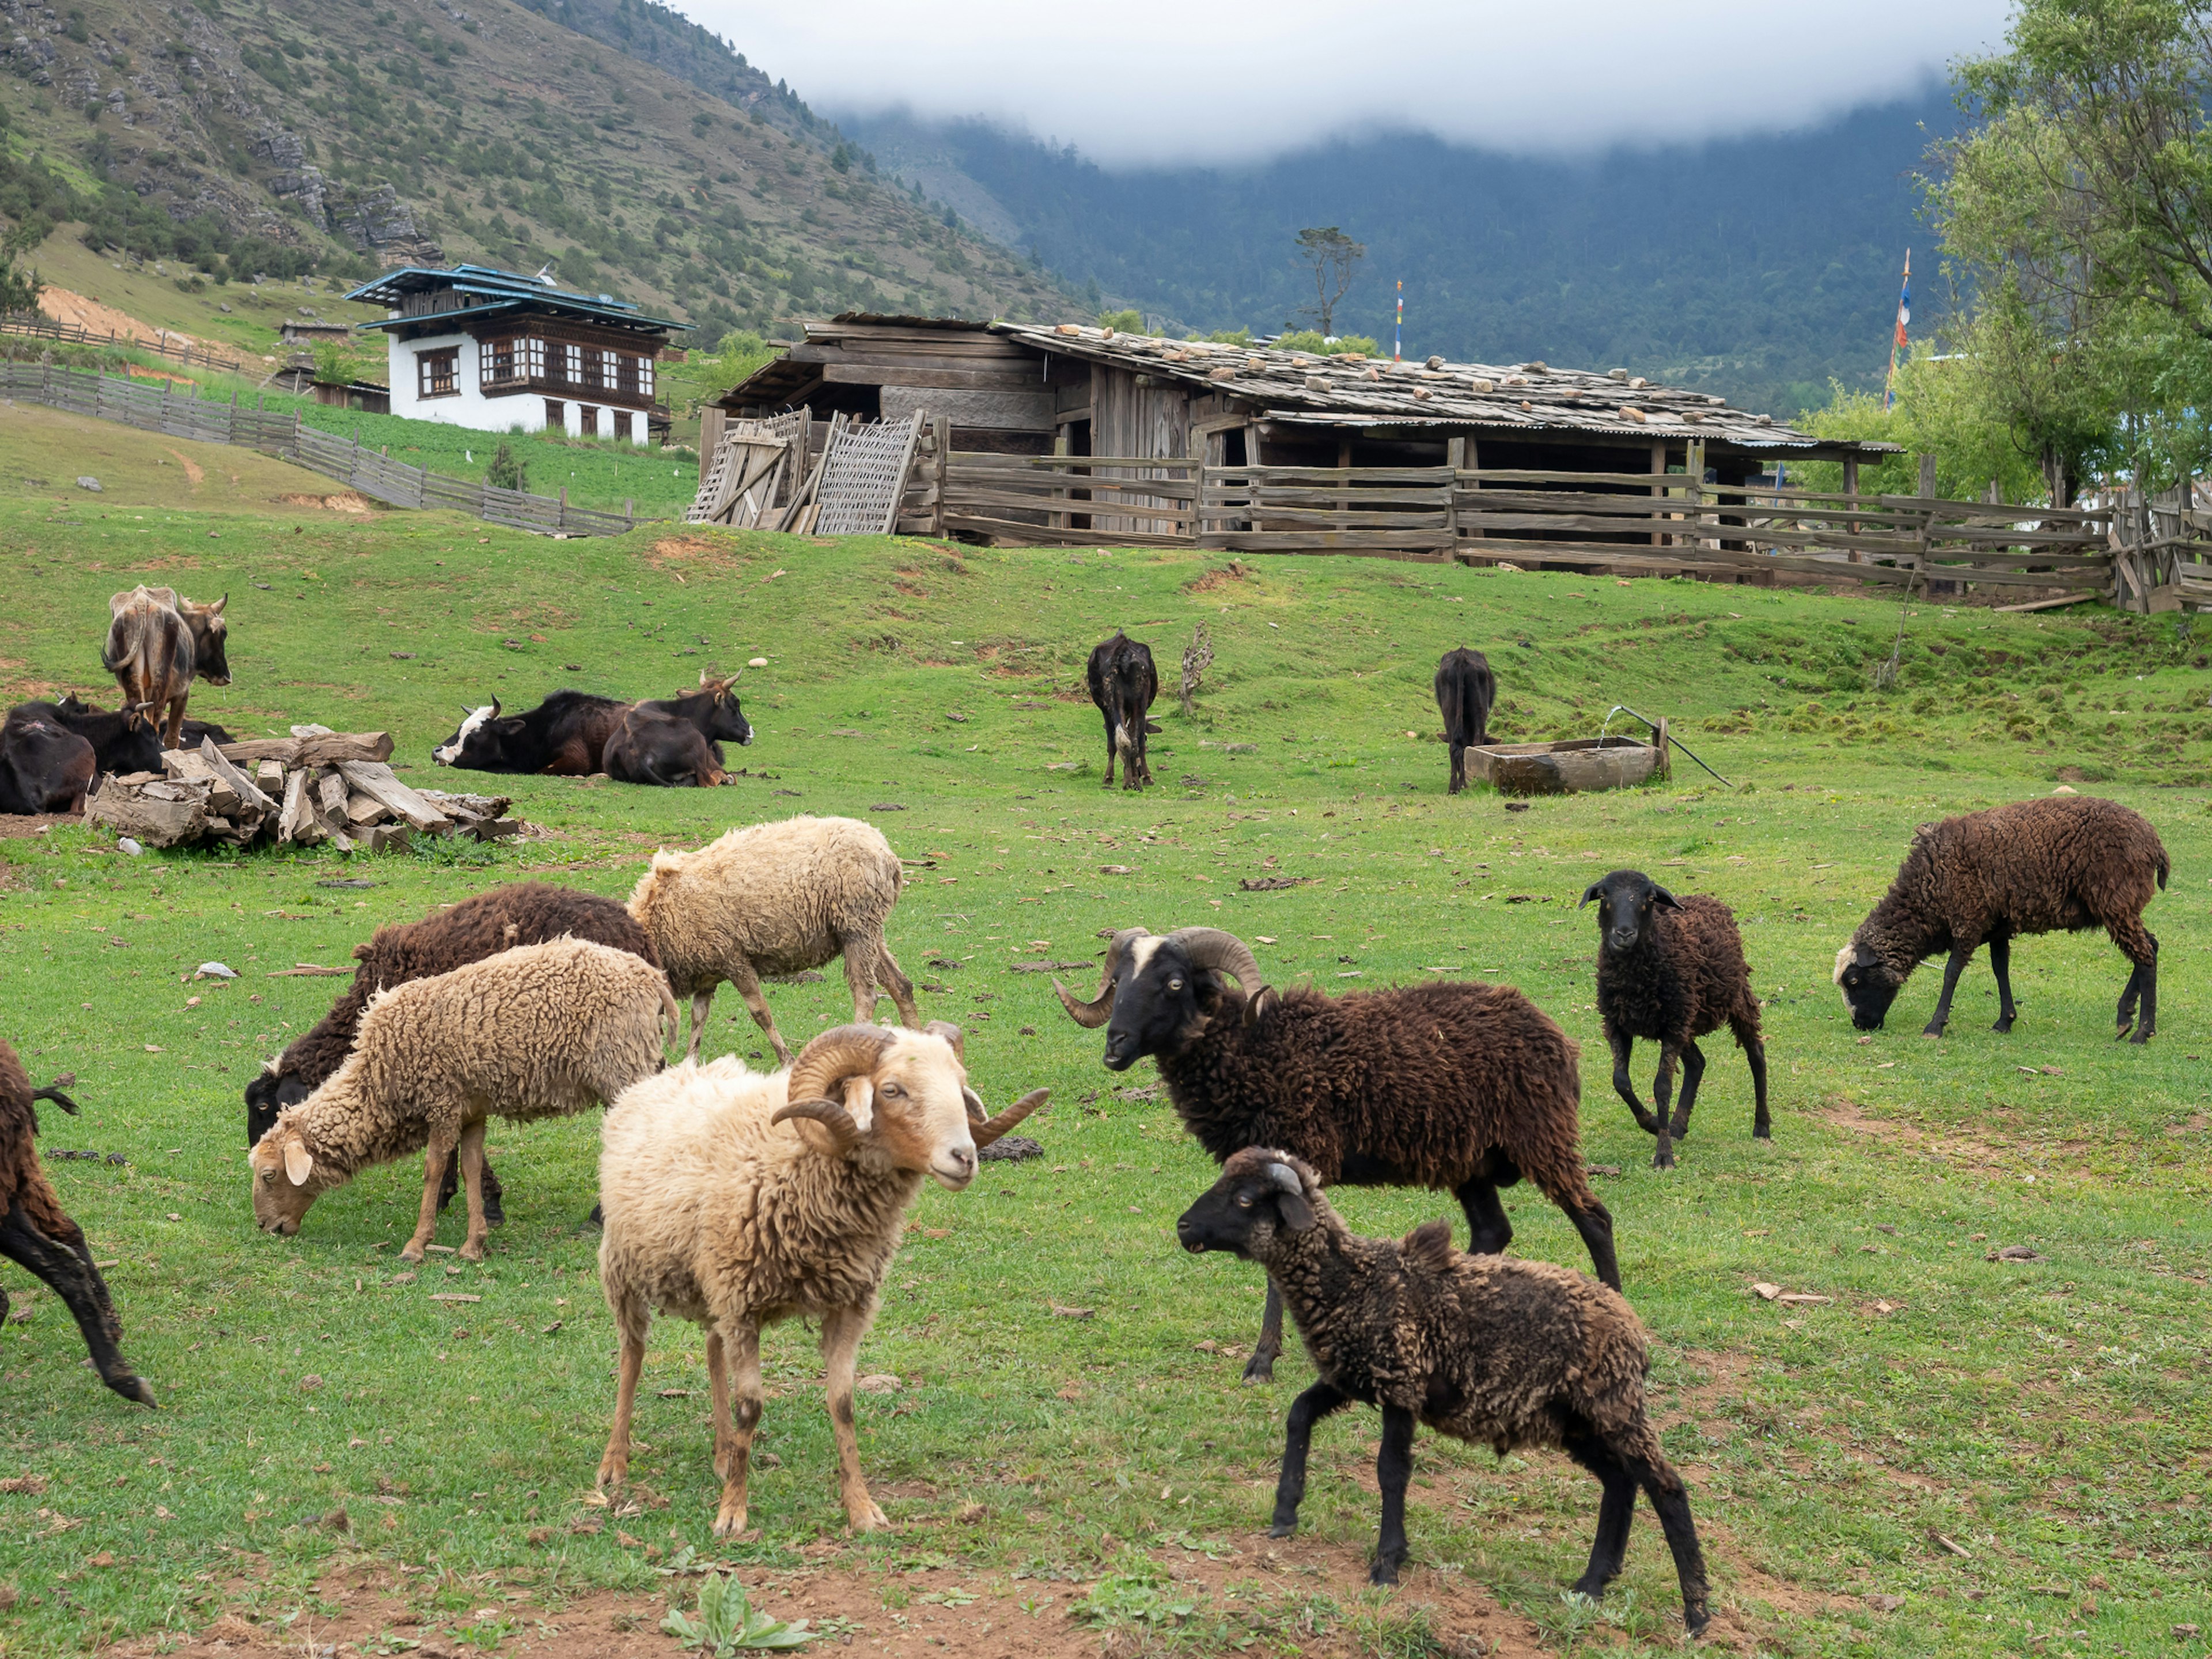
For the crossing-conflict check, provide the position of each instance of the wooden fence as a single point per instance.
(39, 326)
(280, 433)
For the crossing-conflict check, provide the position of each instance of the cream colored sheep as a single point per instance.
(736, 1199)
(543, 1031)
(774, 899)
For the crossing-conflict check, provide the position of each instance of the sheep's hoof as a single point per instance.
(473, 1250)
(1260, 1369)
(1762, 1133)
(1384, 1573)
(412, 1253)
(867, 1516)
(730, 1521)
(1283, 1529)
(613, 1470)
(2003, 1025)
(1935, 1032)
(1662, 1160)
(131, 1388)
(2142, 1035)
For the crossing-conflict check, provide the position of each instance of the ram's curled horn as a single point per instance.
(989, 1129)
(830, 1115)
(1287, 1178)
(841, 1052)
(1210, 947)
(1093, 1014)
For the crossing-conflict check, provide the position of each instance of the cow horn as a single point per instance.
(841, 1052)
(495, 705)
(989, 1129)
(1210, 947)
(215, 610)
(830, 1115)
(1093, 1014)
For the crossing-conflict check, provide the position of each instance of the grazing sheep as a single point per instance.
(1465, 690)
(1461, 1086)
(542, 1031)
(2036, 867)
(774, 899)
(735, 1200)
(1672, 970)
(1123, 683)
(1501, 1353)
(36, 1232)
(521, 913)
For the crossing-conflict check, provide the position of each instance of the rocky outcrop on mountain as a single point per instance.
(377, 221)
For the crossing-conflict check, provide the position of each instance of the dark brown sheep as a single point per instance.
(1460, 1086)
(2070, 862)
(523, 913)
(1671, 970)
(36, 1232)
(1501, 1353)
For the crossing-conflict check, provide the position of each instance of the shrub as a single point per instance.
(506, 471)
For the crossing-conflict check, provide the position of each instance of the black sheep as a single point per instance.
(1672, 970)
(1465, 691)
(1501, 1353)
(35, 1231)
(524, 913)
(1460, 1086)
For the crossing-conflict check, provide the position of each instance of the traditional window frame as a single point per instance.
(437, 372)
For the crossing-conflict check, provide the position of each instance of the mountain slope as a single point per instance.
(347, 133)
(1758, 268)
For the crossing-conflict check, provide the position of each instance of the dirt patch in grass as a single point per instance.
(715, 553)
(21, 826)
(341, 500)
(1235, 571)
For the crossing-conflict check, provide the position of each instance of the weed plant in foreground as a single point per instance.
(1942, 1453)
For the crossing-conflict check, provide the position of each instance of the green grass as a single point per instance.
(2049, 1417)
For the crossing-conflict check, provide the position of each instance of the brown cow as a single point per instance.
(158, 642)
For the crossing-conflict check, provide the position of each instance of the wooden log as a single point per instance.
(386, 837)
(323, 750)
(374, 780)
(248, 792)
(297, 822)
(269, 776)
(330, 797)
(360, 808)
(159, 814)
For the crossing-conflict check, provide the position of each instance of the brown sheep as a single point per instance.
(1671, 970)
(36, 1231)
(2070, 862)
(1501, 1353)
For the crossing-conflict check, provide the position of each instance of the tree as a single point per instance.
(1329, 255)
(506, 471)
(19, 284)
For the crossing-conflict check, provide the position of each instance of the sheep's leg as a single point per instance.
(67, 1269)
(1307, 1409)
(1694, 1072)
(1754, 1052)
(1962, 954)
(702, 1001)
(1569, 1188)
(2001, 965)
(472, 1166)
(1394, 1467)
(841, 1331)
(748, 986)
(1663, 1090)
(1260, 1367)
(1489, 1230)
(1664, 1487)
(1623, 1045)
(2140, 945)
(893, 979)
(631, 1318)
(1616, 1511)
(433, 1169)
(449, 1186)
(860, 979)
(733, 1437)
(2149, 974)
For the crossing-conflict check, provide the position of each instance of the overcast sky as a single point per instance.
(1151, 81)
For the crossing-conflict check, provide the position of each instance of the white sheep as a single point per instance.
(736, 1199)
(543, 1031)
(775, 899)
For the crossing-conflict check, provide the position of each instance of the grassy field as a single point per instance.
(2050, 1419)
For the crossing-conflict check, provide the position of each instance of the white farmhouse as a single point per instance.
(490, 349)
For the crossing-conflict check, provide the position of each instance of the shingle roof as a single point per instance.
(488, 290)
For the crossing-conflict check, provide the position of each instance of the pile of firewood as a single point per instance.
(316, 786)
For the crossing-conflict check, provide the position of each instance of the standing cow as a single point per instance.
(1123, 683)
(1465, 691)
(158, 642)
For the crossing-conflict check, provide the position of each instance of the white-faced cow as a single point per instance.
(1465, 689)
(1123, 683)
(565, 736)
(158, 643)
(44, 766)
(676, 741)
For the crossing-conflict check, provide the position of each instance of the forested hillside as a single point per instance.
(1757, 268)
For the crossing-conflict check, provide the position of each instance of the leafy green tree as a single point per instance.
(1312, 339)
(506, 471)
(1329, 256)
(1122, 322)
(19, 284)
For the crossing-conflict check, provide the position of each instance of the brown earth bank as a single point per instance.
(79, 312)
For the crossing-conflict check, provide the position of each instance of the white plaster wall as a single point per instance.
(468, 406)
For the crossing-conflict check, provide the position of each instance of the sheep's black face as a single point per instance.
(269, 1094)
(1161, 1002)
(1868, 985)
(1625, 900)
(1250, 1194)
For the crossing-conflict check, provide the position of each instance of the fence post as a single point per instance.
(629, 512)
(561, 512)
(940, 430)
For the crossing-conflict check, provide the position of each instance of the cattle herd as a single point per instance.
(737, 1199)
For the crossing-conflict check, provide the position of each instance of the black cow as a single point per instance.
(123, 740)
(44, 766)
(1465, 689)
(563, 736)
(1123, 683)
(651, 747)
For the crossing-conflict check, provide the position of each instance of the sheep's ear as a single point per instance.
(1595, 889)
(1665, 900)
(298, 1163)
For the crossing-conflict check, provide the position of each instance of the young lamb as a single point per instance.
(736, 1199)
(520, 913)
(1456, 1085)
(1498, 1352)
(38, 1233)
(774, 899)
(2036, 867)
(1672, 970)
(542, 1031)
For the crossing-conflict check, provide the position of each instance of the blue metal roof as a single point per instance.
(490, 290)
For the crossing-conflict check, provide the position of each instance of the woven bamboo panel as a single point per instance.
(863, 477)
